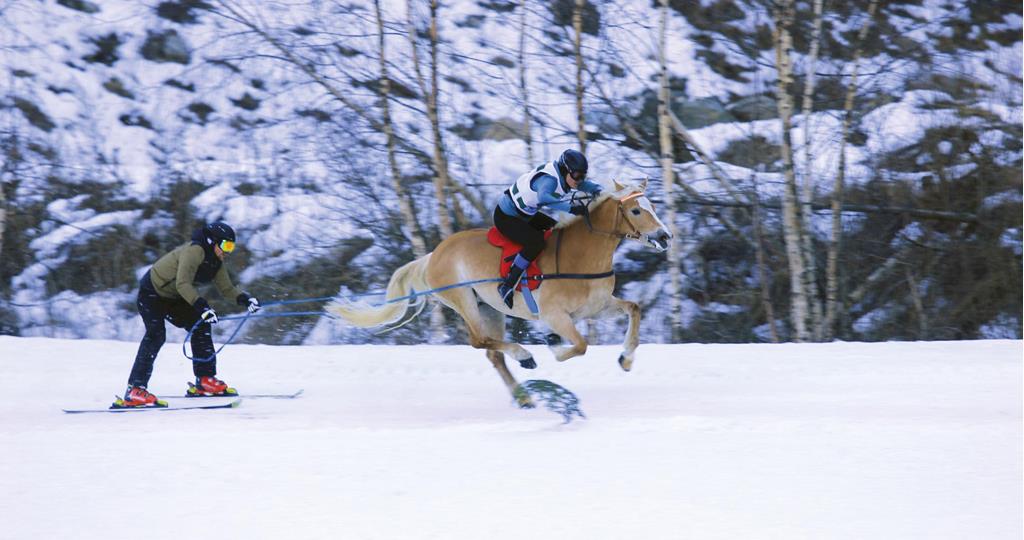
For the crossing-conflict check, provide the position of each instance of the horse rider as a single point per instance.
(168, 291)
(519, 214)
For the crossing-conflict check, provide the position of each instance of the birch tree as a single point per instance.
(783, 13)
(577, 46)
(807, 186)
(524, 92)
(832, 269)
(762, 268)
(581, 126)
(411, 226)
(668, 174)
(3, 215)
(430, 97)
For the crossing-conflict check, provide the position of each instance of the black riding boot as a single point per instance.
(507, 288)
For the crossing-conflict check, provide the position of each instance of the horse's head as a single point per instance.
(641, 222)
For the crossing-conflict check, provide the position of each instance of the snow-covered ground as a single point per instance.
(881, 441)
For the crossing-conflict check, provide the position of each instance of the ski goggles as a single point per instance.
(578, 176)
(227, 246)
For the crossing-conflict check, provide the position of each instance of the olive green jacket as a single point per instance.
(174, 275)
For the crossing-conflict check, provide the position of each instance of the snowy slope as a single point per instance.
(844, 440)
(282, 160)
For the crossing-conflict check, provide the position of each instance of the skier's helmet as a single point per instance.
(574, 163)
(220, 234)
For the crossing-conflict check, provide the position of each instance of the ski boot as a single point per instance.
(138, 397)
(209, 386)
(507, 288)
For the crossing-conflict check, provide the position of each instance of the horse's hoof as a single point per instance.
(527, 405)
(626, 364)
(529, 363)
(553, 339)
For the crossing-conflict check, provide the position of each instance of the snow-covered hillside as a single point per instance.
(839, 441)
(124, 124)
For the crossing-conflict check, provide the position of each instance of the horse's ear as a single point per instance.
(618, 186)
(643, 184)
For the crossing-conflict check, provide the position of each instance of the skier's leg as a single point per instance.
(152, 309)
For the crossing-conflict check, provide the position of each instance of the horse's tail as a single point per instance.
(403, 282)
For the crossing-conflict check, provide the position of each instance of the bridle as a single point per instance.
(621, 213)
(579, 197)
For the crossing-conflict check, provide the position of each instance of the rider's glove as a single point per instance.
(577, 209)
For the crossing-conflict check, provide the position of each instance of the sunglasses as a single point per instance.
(578, 176)
(227, 246)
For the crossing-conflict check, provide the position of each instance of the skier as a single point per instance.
(168, 291)
(518, 214)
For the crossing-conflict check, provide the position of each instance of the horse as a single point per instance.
(586, 246)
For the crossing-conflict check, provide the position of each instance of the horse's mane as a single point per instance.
(606, 193)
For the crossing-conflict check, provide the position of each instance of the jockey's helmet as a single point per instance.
(573, 162)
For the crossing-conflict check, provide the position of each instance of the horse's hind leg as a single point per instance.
(493, 324)
(486, 329)
(563, 325)
(464, 302)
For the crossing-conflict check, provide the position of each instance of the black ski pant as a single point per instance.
(154, 310)
(527, 231)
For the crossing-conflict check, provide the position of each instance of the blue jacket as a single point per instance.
(545, 185)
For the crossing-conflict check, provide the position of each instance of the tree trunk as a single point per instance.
(3, 217)
(668, 179)
(832, 269)
(577, 45)
(915, 297)
(791, 222)
(523, 89)
(807, 187)
(430, 99)
(441, 177)
(581, 121)
(411, 226)
(762, 265)
(438, 333)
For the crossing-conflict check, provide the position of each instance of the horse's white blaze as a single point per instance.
(645, 203)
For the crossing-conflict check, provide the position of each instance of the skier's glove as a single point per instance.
(209, 316)
(206, 313)
(254, 304)
(250, 302)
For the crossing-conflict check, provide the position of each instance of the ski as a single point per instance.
(292, 395)
(232, 405)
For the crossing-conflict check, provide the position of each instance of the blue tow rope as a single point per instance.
(245, 318)
(414, 294)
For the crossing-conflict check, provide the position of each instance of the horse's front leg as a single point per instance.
(632, 341)
(562, 324)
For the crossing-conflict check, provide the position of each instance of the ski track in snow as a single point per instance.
(841, 440)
